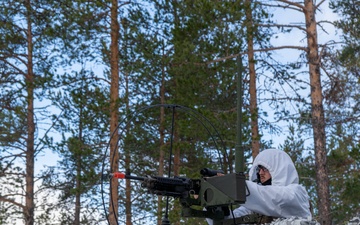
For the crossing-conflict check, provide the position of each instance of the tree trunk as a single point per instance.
(78, 175)
(77, 193)
(317, 113)
(114, 112)
(255, 139)
(30, 150)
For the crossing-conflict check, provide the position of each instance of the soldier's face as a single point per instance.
(264, 174)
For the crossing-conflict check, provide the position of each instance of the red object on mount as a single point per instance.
(119, 175)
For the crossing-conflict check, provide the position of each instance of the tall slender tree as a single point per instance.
(114, 108)
(82, 125)
(317, 113)
(313, 59)
(26, 70)
(253, 106)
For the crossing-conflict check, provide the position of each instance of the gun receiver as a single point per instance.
(213, 193)
(206, 172)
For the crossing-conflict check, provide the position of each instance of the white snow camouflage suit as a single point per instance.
(284, 198)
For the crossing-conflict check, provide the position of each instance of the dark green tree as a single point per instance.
(348, 23)
(82, 124)
(191, 60)
(344, 164)
(343, 99)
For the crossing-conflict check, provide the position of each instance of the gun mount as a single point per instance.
(214, 193)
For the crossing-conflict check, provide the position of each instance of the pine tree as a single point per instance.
(316, 110)
(343, 162)
(82, 124)
(26, 72)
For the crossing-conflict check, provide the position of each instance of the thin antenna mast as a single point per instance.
(239, 151)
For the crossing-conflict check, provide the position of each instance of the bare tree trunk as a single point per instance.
(255, 139)
(317, 113)
(30, 149)
(114, 112)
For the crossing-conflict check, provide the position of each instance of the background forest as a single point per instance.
(90, 87)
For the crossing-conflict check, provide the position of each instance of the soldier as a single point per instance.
(274, 189)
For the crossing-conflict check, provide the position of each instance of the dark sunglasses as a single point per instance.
(260, 167)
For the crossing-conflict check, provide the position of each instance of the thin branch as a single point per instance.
(4, 199)
(48, 130)
(318, 5)
(282, 25)
(290, 5)
(282, 7)
(258, 50)
(12, 65)
(293, 4)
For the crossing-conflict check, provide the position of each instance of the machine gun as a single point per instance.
(214, 193)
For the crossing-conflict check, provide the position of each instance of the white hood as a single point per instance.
(285, 197)
(280, 166)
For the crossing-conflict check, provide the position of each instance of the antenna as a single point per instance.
(165, 220)
(239, 151)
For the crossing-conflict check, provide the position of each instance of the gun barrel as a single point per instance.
(124, 176)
